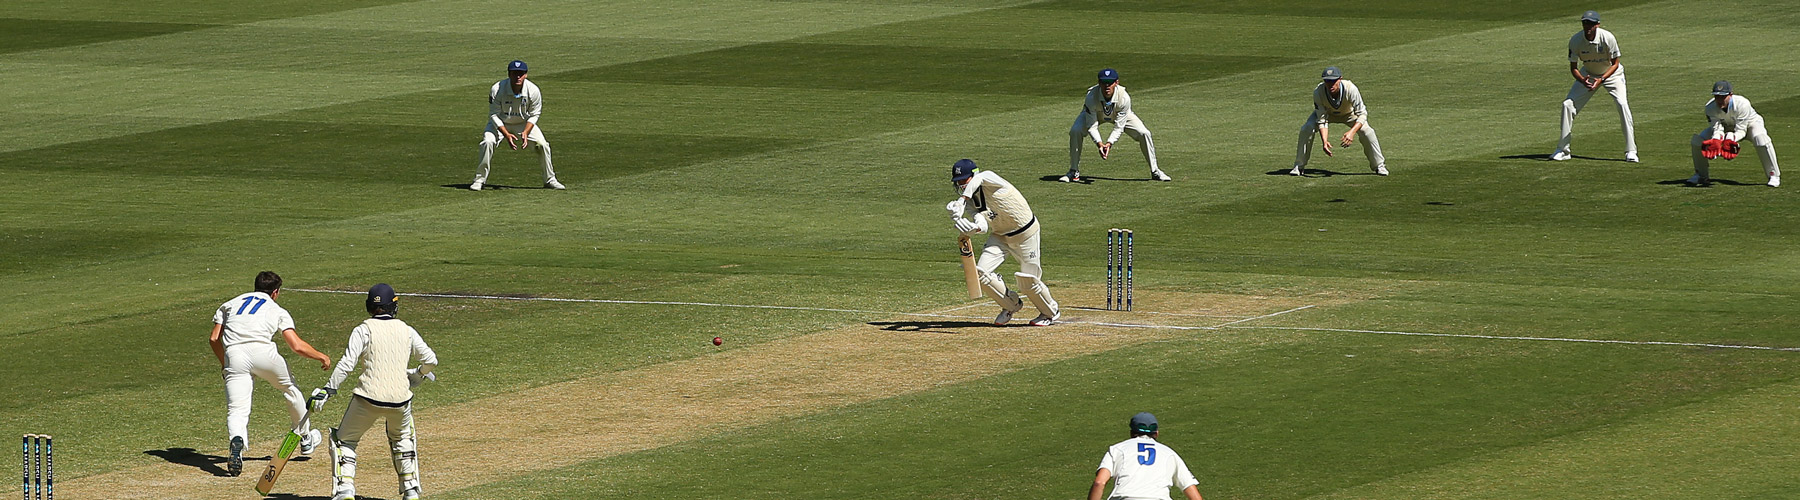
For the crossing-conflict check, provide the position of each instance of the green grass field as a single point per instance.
(794, 153)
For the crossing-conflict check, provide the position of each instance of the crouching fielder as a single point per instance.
(1732, 119)
(384, 346)
(1107, 102)
(998, 209)
(1336, 100)
(514, 105)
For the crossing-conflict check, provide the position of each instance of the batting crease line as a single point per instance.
(1542, 339)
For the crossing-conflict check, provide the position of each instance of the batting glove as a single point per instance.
(955, 207)
(317, 401)
(1728, 149)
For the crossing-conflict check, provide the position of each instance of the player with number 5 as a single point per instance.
(1142, 468)
(243, 337)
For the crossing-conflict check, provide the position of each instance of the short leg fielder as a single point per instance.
(359, 416)
(492, 138)
(1578, 98)
(1309, 132)
(1087, 127)
(1757, 136)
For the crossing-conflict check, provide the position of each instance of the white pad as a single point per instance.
(996, 289)
(1040, 294)
(406, 464)
(343, 464)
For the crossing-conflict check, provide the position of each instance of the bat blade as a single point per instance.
(967, 249)
(277, 462)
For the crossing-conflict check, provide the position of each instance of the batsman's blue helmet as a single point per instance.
(963, 170)
(381, 298)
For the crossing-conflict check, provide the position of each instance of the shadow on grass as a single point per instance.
(1314, 172)
(928, 326)
(487, 187)
(1546, 157)
(211, 464)
(1088, 179)
(1728, 182)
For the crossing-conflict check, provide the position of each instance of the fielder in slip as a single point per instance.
(998, 209)
(1107, 102)
(1732, 120)
(1594, 62)
(514, 105)
(243, 337)
(1336, 100)
(1143, 468)
(384, 346)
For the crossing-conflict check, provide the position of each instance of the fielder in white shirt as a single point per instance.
(1732, 120)
(1336, 100)
(1594, 62)
(514, 105)
(243, 337)
(1143, 469)
(384, 346)
(997, 208)
(1108, 102)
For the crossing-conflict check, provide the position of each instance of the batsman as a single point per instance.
(986, 203)
(384, 346)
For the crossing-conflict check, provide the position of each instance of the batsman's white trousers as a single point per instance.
(1023, 247)
(1078, 137)
(359, 416)
(1310, 131)
(1755, 134)
(243, 364)
(1578, 98)
(492, 138)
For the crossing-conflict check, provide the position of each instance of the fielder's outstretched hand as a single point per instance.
(1728, 149)
(1709, 148)
(1349, 137)
(1105, 150)
(1326, 145)
(1591, 83)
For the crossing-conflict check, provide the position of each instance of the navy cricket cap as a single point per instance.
(1590, 17)
(962, 170)
(1331, 73)
(1722, 87)
(381, 296)
(1108, 75)
(1143, 422)
(516, 66)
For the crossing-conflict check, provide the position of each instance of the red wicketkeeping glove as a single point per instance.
(1728, 149)
(1710, 148)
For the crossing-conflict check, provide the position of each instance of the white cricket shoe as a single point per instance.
(554, 185)
(1073, 176)
(345, 492)
(409, 494)
(1159, 175)
(1045, 320)
(309, 442)
(1296, 171)
(1560, 155)
(1697, 180)
(1004, 317)
(474, 186)
(234, 465)
(1631, 157)
(1774, 181)
(1381, 170)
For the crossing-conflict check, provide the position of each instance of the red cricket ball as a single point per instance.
(717, 341)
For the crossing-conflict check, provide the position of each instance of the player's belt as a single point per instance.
(384, 404)
(1022, 229)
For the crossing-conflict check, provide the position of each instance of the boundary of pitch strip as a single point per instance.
(1235, 324)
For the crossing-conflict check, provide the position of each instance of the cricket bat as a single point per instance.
(967, 249)
(280, 459)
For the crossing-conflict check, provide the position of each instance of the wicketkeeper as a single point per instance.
(988, 204)
(1732, 119)
(514, 105)
(1336, 100)
(1107, 102)
(384, 346)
